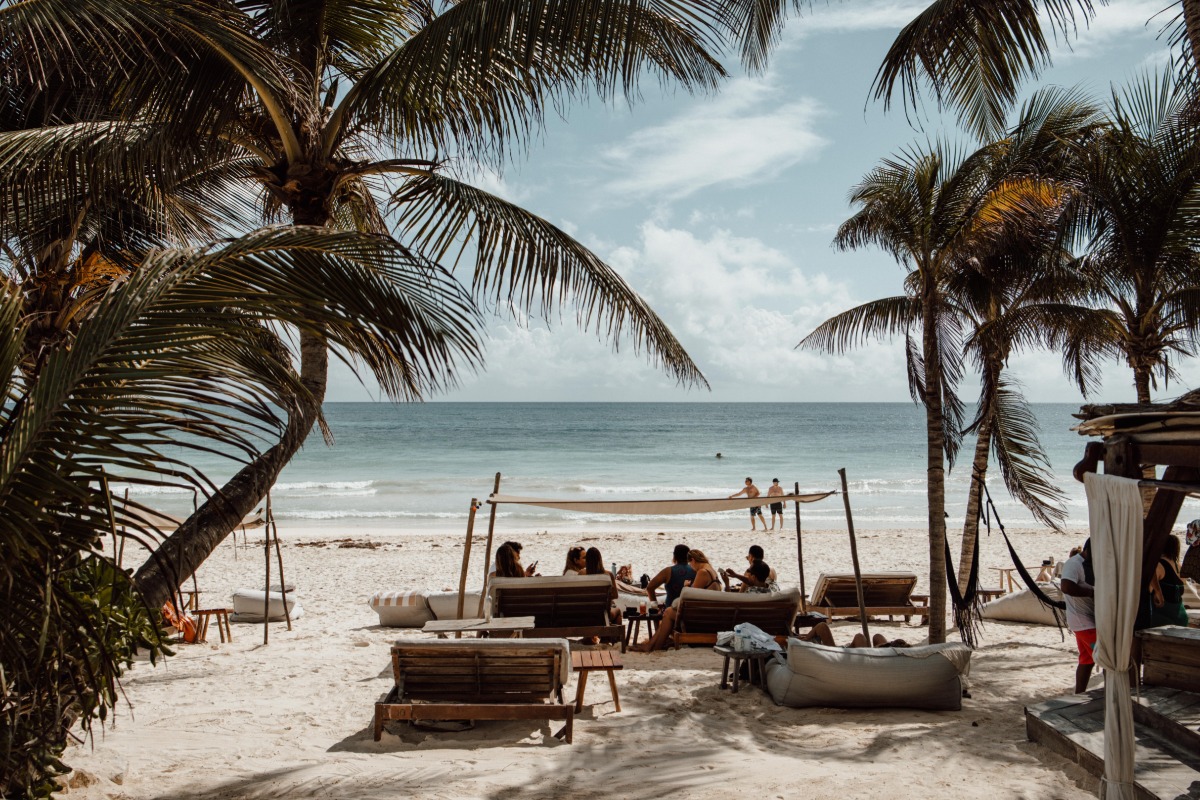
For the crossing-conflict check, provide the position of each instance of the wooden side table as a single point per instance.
(755, 659)
(584, 661)
(202, 617)
(633, 626)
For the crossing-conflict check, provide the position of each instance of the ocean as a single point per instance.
(416, 467)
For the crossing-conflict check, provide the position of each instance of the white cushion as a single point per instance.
(444, 605)
(248, 604)
(1023, 606)
(740, 598)
(401, 609)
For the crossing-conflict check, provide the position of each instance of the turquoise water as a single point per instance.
(410, 468)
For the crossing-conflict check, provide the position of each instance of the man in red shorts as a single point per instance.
(1081, 611)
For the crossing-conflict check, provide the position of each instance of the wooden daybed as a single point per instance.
(885, 593)
(567, 607)
(704, 613)
(470, 679)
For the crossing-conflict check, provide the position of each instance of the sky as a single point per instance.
(720, 211)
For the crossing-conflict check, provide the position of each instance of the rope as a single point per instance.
(967, 607)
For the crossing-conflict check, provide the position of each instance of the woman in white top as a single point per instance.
(576, 561)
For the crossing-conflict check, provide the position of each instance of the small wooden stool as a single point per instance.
(584, 661)
(756, 671)
(202, 617)
(633, 626)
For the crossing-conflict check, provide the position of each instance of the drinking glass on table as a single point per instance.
(642, 608)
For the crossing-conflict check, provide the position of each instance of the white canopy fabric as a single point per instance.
(684, 506)
(1115, 520)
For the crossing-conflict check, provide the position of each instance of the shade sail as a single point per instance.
(652, 507)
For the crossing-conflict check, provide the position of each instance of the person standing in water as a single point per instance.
(751, 491)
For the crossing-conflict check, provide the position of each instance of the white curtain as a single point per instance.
(1115, 519)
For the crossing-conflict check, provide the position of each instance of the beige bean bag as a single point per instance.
(406, 609)
(248, 606)
(928, 677)
(444, 605)
(1023, 606)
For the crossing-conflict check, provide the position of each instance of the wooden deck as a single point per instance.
(1168, 742)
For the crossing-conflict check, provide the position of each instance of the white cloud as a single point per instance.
(750, 133)
(1114, 22)
(858, 16)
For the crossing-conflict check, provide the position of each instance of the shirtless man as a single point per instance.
(776, 508)
(752, 491)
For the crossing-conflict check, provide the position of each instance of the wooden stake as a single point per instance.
(121, 551)
(800, 554)
(862, 603)
(267, 588)
(287, 614)
(462, 578)
(487, 551)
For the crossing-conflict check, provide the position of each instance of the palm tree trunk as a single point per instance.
(935, 469)
(1141, 382)
(195, 540)
(1191, 22)
(177, 558)
(979, 467)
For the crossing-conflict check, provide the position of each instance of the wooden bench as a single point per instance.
(885, 594)
(1171, 657)
(584, 661)
(703, 613)
(562, 607)
(472, 679)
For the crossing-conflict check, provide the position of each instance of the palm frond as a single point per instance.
(1023, 463)
(974, 56)
(878, 319)
(484, 72)
(522, 260)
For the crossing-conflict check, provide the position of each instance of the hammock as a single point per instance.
(966, 603)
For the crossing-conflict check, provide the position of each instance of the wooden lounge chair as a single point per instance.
(885, 593)
(469, 679)
(704, 613)
(564, 607)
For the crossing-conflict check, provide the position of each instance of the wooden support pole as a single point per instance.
(487, 551)
(462, 578)
(862, 603)
(267, 588)
(274, 528)
(800, 554)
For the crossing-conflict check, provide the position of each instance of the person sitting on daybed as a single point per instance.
(576, 561)
(706, 578)
(749, 580)
(594, 565)
(672, 578)
(508, 563)
(821, 633)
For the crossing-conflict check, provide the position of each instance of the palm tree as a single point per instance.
(179, 345)
(952, 221)
(1136, 223)
(326, 105)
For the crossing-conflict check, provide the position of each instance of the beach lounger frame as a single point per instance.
(567, 607)
(474, 679)
(887, 594)
(703, 613)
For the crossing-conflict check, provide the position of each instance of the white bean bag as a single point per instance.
(1023, 606)
(444, 605)
(248, 606)
(928, 677)
(407, 609)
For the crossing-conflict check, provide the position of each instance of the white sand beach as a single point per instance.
(293, 719)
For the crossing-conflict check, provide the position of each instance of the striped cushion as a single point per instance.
(409, 597)
(406, 609)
